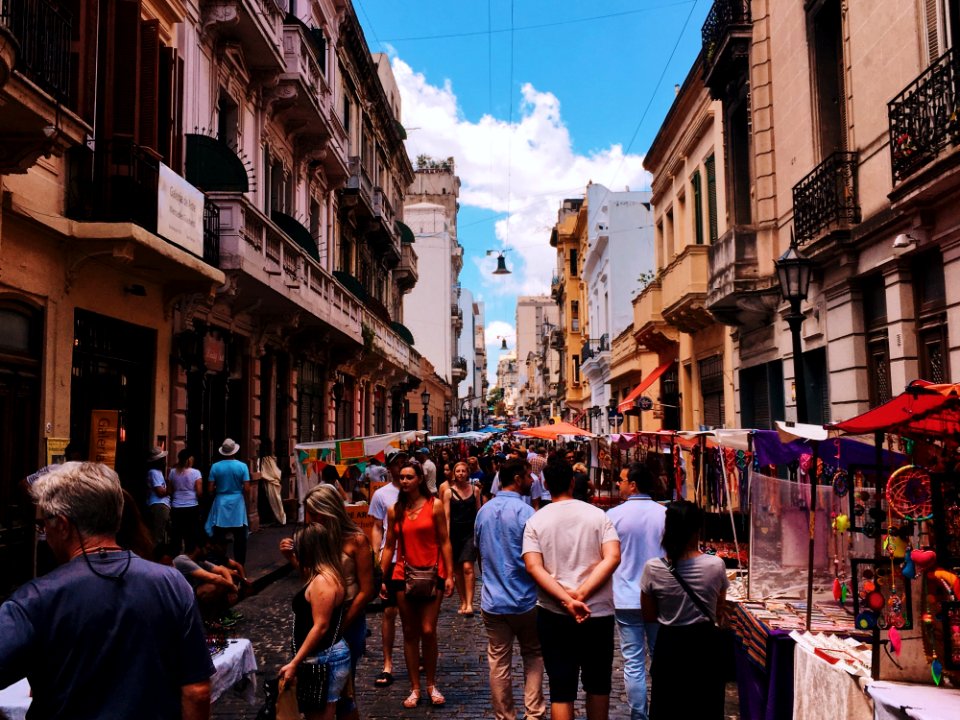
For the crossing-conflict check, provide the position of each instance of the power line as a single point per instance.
(370, 24)
(540, 26)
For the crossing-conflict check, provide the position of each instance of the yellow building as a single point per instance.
(567, 290)
(671, 314)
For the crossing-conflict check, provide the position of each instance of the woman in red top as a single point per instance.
(418, 524)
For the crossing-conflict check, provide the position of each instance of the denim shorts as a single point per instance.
(337, 661)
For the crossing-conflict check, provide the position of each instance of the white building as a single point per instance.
(534, 314)
(620, 249)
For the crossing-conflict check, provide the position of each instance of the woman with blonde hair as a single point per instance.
(323, 505)
(321, 663)
(461, 501)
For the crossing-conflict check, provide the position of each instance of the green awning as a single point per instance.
(297, 232)
(401, 130)
(403, 331)
(406, 234)
(212, 165)
(351, 284)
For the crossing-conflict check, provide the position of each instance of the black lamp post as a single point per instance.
(793, 271)
(425, 399)
(446, 416)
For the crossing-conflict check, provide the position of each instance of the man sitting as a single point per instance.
(214, 585)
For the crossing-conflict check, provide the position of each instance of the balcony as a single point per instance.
(385, 236)
(34, 84)
(557, 284)
(649, 328)
(923, 118)
(359, 183)
(456, 314)
(405, 274)
(303, 95)
(256, 25)
(557, 339)
(726, 34)
(737, 293)
(595, 352)
(458, 369)
(826, 202)
(684, 290)
(260, 255)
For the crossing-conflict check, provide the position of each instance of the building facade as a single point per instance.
(566, 290)
(201, 236)
(536, 317)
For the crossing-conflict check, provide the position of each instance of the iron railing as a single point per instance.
(827, 197)
(593, 347)
(923, 118)
(43, 33)
(211, 234)
(722, 17)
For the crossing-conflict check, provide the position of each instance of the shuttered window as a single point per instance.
(711, 390)
(148, 100)
(120, 77)
(170, 108)
(695, 184)
(711, 167)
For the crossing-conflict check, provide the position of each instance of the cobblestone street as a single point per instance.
(462, 676)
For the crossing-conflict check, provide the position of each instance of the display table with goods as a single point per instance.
(233, 660)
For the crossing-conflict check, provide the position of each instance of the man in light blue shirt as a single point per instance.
(508, 599)
(639, 523)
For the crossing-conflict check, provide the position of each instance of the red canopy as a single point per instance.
(922, 409)
(552, 432)
(644, 384)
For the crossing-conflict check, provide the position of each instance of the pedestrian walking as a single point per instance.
(229, 482)
(429, 468)
(417, 526)
(158, 499)
(323, 505)
(461, 501)
(381, 502)
(185, 484)
(107, 634)
(685, 593)
(508, 597)
(571, 550)
(271, 476)
(638, 521)
(321, 663)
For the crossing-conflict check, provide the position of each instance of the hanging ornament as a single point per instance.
(841, 523)
(866, 620)
(909, 494)
(936, 670)
(896, 642)
(841, 483)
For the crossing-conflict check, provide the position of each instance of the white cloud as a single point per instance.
(524, 168)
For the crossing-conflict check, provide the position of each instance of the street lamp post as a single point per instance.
(793, 271)
(446, 415)
(425, 399)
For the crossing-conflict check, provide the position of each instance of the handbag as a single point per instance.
(419, 582)
(313, 674)
(724, 639)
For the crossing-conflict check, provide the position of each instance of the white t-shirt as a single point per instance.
(380, 504)
(569, 534)
(430, 475)
(705, 574)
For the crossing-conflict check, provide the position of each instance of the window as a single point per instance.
(711, 167)
(761, 395)
(227, 119)
(697, 208)
(310, 401)
(711, 390)
(576, 369)
(928, 283)
(740, 178)
(346, 111)
(573, 262)
(878, 347)
(575, 316)
(829, 94)
(941, 25)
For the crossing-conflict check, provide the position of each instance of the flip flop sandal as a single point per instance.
(436, 697)
(412, 700)
(384, 679)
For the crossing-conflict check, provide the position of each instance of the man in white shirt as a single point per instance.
(639, 523)
(429, 469)
(380, 504)
(571, 550)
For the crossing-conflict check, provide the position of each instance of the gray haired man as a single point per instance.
(107, 633)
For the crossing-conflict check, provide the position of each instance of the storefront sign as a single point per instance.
(179, 211)
(57, 450)
(358, 513)
(350, 450)
(104, 432)
(214, 353)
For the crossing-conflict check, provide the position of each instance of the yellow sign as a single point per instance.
(104, 432)
(359, 515)
(57, 450)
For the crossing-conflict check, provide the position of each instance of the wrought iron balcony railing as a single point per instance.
(827, 199)
(43, 33)
(923, 118)
(593, 347)
(724, 15)
(211, 234)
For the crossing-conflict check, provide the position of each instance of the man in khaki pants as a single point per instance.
(509, 597)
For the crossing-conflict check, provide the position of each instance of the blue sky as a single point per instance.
(575, 100)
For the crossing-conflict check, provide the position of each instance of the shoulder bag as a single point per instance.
(419, 582)
(723, 638)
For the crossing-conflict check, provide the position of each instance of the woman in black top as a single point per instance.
(461, 500)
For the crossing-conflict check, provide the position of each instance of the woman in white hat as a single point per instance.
(229, 482)
(158, 501)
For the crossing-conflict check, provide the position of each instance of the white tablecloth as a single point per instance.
(235, 667)
(902, 701)
(822, 691)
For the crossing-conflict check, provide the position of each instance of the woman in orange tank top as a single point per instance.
(417, 524)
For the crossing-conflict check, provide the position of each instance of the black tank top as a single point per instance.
(463, 511)
(303, 622)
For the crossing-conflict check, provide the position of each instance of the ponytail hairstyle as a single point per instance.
(681, 525)
(317, 552)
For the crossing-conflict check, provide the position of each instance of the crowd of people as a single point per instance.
(559, 578)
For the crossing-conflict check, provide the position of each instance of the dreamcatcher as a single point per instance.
(909, 494)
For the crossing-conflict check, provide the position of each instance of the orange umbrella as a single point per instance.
(552, 432)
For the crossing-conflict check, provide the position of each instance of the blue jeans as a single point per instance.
(635, 634)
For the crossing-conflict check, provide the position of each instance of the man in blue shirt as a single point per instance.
(639, 523)
(508, 599)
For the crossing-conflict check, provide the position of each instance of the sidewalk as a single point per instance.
(264, 563)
